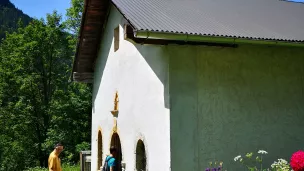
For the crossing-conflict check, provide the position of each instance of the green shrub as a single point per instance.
(65, 167)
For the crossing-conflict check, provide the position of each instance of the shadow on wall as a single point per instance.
(226, 102)
(158, 60)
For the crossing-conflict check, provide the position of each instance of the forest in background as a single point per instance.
(10, 16)
(39, 104)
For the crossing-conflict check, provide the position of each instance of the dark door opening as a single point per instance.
(141, 160)
(115, 141)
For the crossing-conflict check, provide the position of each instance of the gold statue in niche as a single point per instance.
(116, 100)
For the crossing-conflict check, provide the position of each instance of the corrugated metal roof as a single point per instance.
(254, 19)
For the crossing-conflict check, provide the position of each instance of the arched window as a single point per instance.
(141, 159)
(99, 150)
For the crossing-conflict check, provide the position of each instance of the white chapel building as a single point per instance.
(180, 83)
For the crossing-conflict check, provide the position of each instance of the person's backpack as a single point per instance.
(105, 166)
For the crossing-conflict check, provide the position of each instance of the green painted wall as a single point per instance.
(228, 101)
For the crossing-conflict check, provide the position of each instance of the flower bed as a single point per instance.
(254, 162)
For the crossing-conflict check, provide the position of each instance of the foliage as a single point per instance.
(84, 146)
(73, 20)
(250, 162)
(33, 62)
(297, 161)
(39, 105)
(70, 121)
(65, 167)
(74, 14)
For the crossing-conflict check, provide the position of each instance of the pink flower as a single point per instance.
(297, 161)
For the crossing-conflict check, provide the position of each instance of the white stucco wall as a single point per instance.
(223, 101)
(140, 75)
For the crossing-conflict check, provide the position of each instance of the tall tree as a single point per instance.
(74, 14)
(73, 21)
(74, 105)
(75, 130)
(34, 64)
(39, 105)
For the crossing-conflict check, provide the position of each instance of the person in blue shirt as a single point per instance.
(110, 159)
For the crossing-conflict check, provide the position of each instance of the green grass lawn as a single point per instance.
(64, 168)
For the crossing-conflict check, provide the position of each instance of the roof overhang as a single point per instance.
(92, 24)
(212, 39)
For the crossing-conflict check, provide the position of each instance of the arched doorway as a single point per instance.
(141, 159)
(115, 141)
(99, 150)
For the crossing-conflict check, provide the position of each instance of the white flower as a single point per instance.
(281, 165)
(283, 161)
(274, 164)
(262, 152)
(237, 158)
